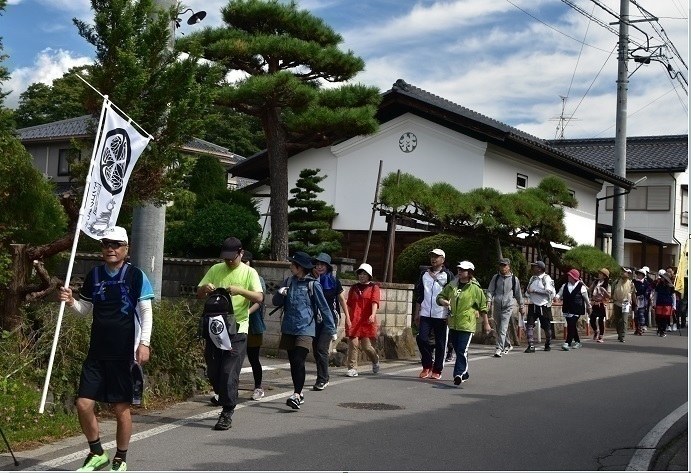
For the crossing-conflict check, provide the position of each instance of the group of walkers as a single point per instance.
(312, 300)
(444, 301)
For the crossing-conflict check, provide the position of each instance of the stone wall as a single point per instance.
(181, 276)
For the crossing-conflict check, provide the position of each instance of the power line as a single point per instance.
(640, 109)
(553, 28)
(592, 83)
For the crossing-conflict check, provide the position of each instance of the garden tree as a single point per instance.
(29, 213)
(530, 217)
(589, 260)
(42, 103)
(286, 54)
(168, 96)
(202, 216)
(310, 221)
(208, 178)
(239, 132)
(481, 252)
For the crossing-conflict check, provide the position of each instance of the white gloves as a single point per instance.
(283, 291)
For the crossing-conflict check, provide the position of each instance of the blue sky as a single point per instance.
(511, 60)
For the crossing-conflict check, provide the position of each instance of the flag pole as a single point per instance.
(105, 97)
(72, 255)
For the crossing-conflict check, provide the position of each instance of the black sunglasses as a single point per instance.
(112, 244)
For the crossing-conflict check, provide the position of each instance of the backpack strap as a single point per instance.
(100, 288)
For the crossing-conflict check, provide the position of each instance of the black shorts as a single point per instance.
(106, 380)
(541, 312)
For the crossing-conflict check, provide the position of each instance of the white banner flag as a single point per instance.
(118, 150)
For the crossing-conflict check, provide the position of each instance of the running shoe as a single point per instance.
(118, 465)
(257, 394)
(352, 373)
(94, 462)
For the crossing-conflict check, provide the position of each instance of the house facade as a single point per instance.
(51, 147)
(656, 210)
(436, 141)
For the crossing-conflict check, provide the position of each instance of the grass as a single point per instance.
(174, 372)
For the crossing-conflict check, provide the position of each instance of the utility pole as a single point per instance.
(149, 221)
(620, 136)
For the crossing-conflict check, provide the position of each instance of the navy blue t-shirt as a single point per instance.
(113, 326)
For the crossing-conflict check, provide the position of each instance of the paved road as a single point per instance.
(608, 406)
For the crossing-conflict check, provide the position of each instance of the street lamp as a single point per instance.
(597, 200)
(192, 20)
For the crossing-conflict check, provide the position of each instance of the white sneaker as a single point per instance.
(508, 349)
(257, 394)
(674, 327)
(497, 353)
(352, 373)
(376, 367)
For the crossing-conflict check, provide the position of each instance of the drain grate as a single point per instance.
(372, 406)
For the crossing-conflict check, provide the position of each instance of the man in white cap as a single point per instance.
(430, 318)
(120, 296)
(540, 292)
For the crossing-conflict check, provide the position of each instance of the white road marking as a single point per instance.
(640, 461)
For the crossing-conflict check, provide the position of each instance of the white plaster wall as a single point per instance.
(502, 168)
(441, 155)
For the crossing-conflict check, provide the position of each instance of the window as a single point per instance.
(63, 162)
(521, 181)
(644, 198)
(685, 205)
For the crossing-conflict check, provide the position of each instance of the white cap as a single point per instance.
(466, 265)
(438, 252)
(661, 272)
(643, 270)
(366, 268)
(115, 234)
(646, 269)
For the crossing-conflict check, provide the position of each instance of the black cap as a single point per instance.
(302, 259)
(230, 248)
(247, 256)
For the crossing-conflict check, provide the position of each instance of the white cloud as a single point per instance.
(49, 65)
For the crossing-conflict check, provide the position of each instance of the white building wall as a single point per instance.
(440, 155)
(657, 224)
(502, 168)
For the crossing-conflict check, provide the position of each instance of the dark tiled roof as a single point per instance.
(405, 98)
(669, 153)
(82, 127)
(70, 128)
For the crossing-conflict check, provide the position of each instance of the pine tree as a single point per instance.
(287, 54)
(310, 221)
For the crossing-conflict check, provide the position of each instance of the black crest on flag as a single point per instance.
(115, 158)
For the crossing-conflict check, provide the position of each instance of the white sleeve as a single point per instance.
(81, 308)
(146, 317)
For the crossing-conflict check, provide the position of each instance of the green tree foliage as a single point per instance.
(64, 99)
(29, 210)
(208, 178)
(168, 95)
(202, 216)
(589, 260)
(239, 132)
(482, 253)
(310, 220)
(287, 54)
(203, 234)
(533, 217)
